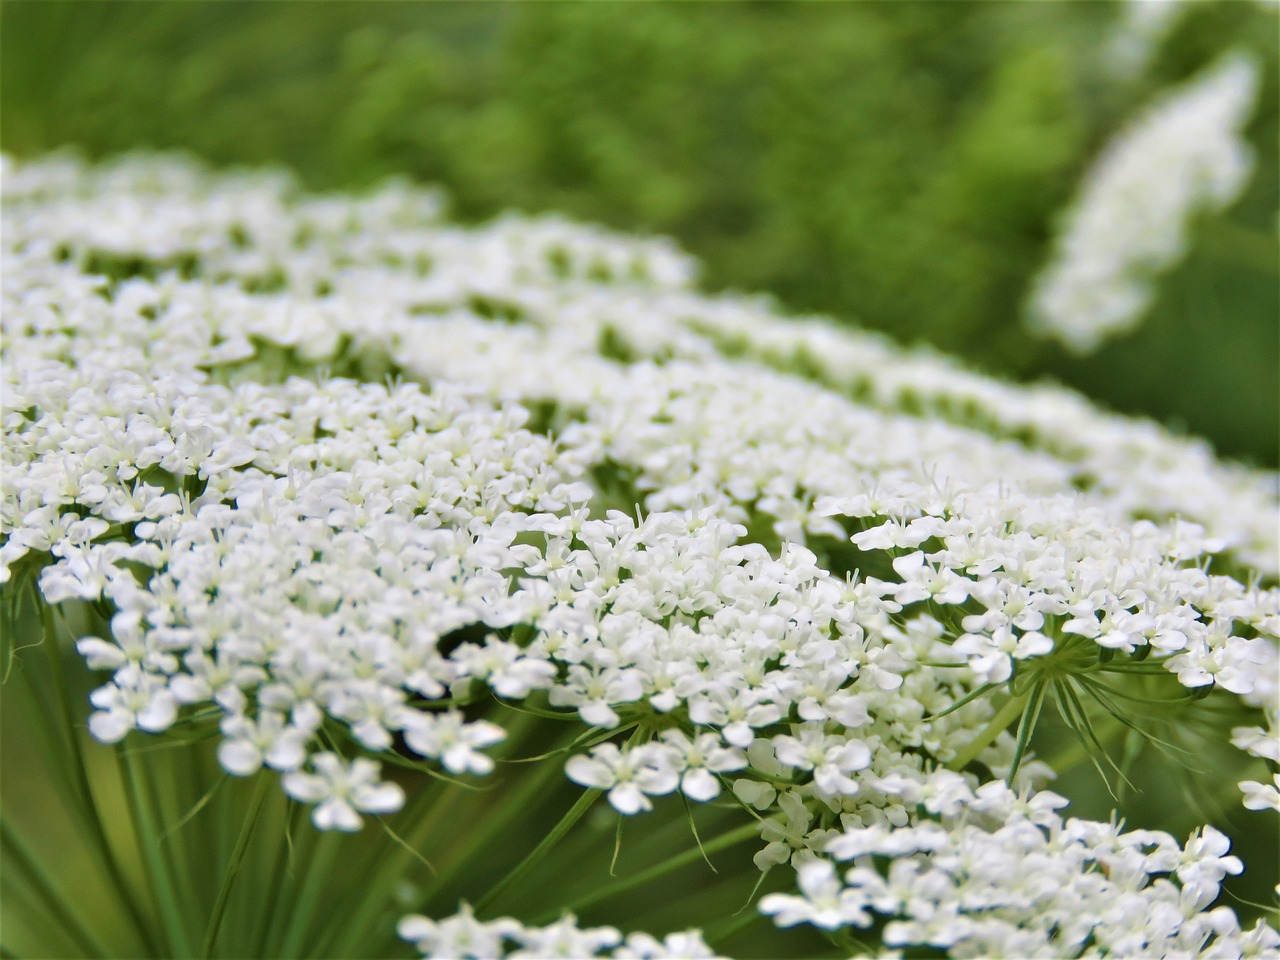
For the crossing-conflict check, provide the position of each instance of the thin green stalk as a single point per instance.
(275, 881)
(38, 932)
(301, 841)
(164, 792)
(1030, 714)
(159, 876)
(237, 859)
(968, 698)
(730, 838)
(548, 842)
(379, 879)
(998, 725)
(1075, 752)
(734, 925)
(87, 807)
(1074, 714)
(307, 908)
(19, 856)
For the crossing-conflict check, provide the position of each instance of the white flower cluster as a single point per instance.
(998, 875)
(1183, 156)
(336, 469)
(463, 937)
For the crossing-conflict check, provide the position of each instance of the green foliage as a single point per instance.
(899, 166)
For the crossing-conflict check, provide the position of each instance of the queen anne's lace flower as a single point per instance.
(339, 473)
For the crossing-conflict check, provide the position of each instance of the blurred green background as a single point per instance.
(897, 165)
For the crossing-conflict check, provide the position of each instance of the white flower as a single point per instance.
(923, 581)
(831, 758)
(1204, 863)
(341, 790)
(825, 902)
(563, 939)
(460, 937)
(135, 699)
(1261, 796)
(631, 776)
(699, 760)
(1258, 742)
(269, 739)
(447, 737)
(674, 946)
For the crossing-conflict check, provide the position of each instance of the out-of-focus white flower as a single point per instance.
(341, 790)
(824, 900)
(1261, 796)
(459, 937)
(1182, 156)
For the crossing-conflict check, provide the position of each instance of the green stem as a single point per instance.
(275, 880)
(19, 856)
(728, 839)
(998, 725)
(1030, 714)
(557, 833)
(1067, 758)
(237, 859)
(86, 805)
(300, 842)
(377, 882)
(732, 926)
(159, 876)
(306, 910)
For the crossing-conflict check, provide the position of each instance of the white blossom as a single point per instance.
(1185, 154)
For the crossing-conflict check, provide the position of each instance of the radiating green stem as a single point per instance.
(275, 882)
(732, 926)
(548, 842)
(86, 805)
(1075, 752)
(19, 856)
(737, 835)
(162, 882)
(998, 725)
(1030, 715)
(307, 909)
(237, 859)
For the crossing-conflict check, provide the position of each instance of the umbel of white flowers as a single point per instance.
(298, 443)
(1184, 156)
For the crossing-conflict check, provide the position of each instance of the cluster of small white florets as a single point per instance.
(1002, 874)
(1183, 156)
(463, 937)
(334, 466)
